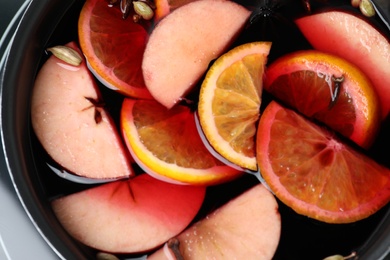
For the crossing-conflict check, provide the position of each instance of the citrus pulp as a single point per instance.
(229, 102)
(329, 89)
(113, 47)
(166, 144)
(315, 174)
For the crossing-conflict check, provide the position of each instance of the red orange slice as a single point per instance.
(357, 41)
(314, 173)
(329, 89)
(113, 47)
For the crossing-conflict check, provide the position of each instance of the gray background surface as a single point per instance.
(18, 237)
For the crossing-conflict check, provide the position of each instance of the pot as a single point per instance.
(50, 22)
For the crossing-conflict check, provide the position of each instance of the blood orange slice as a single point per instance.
(329, 89)
(354, 39)
(113, 47)
(166, 144)
(314, 173)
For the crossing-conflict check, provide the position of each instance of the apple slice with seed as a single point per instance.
(129, 216)
(71, 123)
(247, 227)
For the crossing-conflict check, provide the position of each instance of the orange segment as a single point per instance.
(113, 47)
(167, 145)
(229, 102)
(314, 173)
(329, 89)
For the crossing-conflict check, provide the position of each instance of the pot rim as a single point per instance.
(37, 24)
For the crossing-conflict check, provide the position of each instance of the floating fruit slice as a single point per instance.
(113, 47)
(182, 45)
(247, 227)
(329, 89)
(164, 7)
(357, 41)
(129, 216)
(314, 173)
(72, 125)
(229, 102)
(167, 145)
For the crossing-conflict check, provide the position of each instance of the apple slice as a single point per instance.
(355, 40)
(182, 45)
(129, 216)
(247, 227)
(71, 124)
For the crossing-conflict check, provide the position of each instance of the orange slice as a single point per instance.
(113, 47)
(355, 39)
(164, 7)
(329, 89)
(166, 144)
(314, 173)
(229, 102)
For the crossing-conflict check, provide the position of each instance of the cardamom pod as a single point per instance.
(143, 9)
(334, 257)
(340, 257)
(106, 256)
(66, 54)
(366, 8)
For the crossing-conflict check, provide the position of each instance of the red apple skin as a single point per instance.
(355, 40)
(129, 216)
(64, 122)
(182, 45)
(247, 227)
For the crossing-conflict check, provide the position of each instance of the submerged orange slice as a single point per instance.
(314, 173)
(166, 144)
(229, 102)
(328, 89)
(113, 47)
